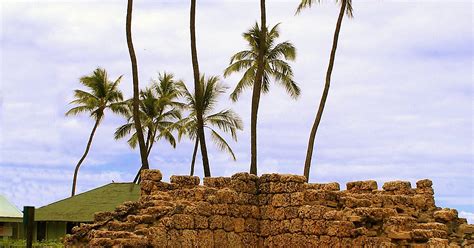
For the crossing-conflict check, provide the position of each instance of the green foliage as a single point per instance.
(159, 111)
(226, 121)
(308, 3)
(275, 62)
(22, 243)
(102, 94)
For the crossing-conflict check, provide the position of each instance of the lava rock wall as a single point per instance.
(275, 211)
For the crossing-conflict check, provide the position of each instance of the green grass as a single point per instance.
(22, 243)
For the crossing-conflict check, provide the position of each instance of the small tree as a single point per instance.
(159, 111)
(102, 94)
(226, 121)
(346, 8)
(275, 66)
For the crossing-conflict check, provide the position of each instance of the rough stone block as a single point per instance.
(227, 196)
(314, 227)
(201, 222)
(282, 178)
(312, 212)
(334, 186)
(423, 202)
(425, 183)
(445, 215)
(234, 240)
(362, 186)
(228, 223)
(352, 202)
(243, 186)
(103, 216)
(183, 221)
(217, 182)
(205, 238)
(185, 181)
(189, 238)
(402, 186)
(239, 225)
(399, 223)
(466, 229)
(216, 222)
(151, 175)
(281, 200)
(375, 214)
(220, 238)
(251, 225)
(422, 235)
(296, 225)
(244, 176)
(340, 228)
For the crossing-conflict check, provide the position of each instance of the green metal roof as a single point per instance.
(8, 211)
(81, 207)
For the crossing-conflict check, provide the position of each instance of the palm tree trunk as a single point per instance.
(197, 92)
(314, 129)
(193, 161)
(74, 180)
(149, 144)
(257, 88)
(136, 100)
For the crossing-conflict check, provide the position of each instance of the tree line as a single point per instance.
(168, 110)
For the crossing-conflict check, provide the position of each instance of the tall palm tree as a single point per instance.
(159, 111)
(346, 7)
(275, 66)
(199, 109)
(136, 97)
(226, 121)
(102, 94)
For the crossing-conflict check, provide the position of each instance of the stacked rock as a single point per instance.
(275, 211)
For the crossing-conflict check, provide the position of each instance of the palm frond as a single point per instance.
(238, 65)
(123, 130)
(79, 109)
(247, 80)
(305, 4)
(222, 144)
(226, 120)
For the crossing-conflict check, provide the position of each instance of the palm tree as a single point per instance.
(274, 67)
(197, 92)
(159, 111)
(226, 121)
(346, 7)
(102, 94)
(136, 100)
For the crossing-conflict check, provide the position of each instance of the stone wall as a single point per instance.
(275, 211)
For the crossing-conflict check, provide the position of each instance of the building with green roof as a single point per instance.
(11, 220)
(55, 220)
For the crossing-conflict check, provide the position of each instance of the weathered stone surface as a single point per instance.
(151, 175)
(185, 181)
(324, 186)
(362, 186)
(425, 183)
(217, 182)
(282, 178)
(403, 186)
(275, 211)
(445, 215)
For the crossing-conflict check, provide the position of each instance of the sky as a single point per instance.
(400, 106)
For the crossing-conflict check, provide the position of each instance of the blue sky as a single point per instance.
(400, 105)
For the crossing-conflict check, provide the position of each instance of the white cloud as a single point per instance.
(469, 216)
(400, 105)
